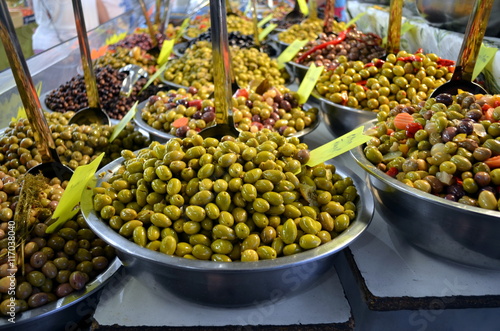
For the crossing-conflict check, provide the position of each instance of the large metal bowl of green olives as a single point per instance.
(437, 212)
(341, 119)
(226, 277)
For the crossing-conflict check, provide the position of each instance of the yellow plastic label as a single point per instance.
(486, 54)
(355, 19)
(154, 76)
(338, 146)
(265, 20)
(303, 7)
(123, 123)
(247, 8)
(263, 34)
(68, 205)
(183, 28)
(166, 50)
(115, 38)
(308, 83)
(289, 53)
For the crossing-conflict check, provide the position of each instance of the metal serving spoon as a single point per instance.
(51, 166)
(394, 27)
(155, 50)
(135, 72)
(473, 37)
(93, 113)
(295, 14)
(222, 74)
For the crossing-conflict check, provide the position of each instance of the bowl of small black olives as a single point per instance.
(228, 223)
(435, 172)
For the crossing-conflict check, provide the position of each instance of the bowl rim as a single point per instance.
(362, 161)
(365, 211)
(66, 302)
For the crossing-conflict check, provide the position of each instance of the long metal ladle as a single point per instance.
(222, 74)
(394, 27)
(51, 165)
(464, 68)
(93, 113)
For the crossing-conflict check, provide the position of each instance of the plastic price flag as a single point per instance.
(166, 50)
(124, 121)
(266, 31)
(303, 7)
(154, 76)
(486, 54)
(308, 83)
(265, 20)
(355, 19)
(66, 210)
(183, 28)
(338, 146)
(289, 53)
(115, 38)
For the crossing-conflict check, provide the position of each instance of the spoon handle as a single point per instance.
(165, 18)
(151, 29)
(256, 40)
(313, 9)
(222, 60)
(394, 28)
(473, 37)
(27, 90)
(88, 70)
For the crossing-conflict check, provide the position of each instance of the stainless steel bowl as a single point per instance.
(454, 15)
(447, 229)
(280, 46)
(230, 284)
(65, 313)
(341, 119)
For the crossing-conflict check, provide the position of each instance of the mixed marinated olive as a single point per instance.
(381, 85)
(75, 144)
(308, 29)
(238, 199)
(447, 146)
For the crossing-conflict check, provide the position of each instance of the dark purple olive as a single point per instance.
(249, 104)
(197, 115)
(456, 189)
(269, 121)
(208, 116)
(182, 102)
(209, 109)
(408, 109)
(282, 129)
(465, 126)
(450, 197)
(256, 118)
(192, 90)
(181, 131)
(474, 114)
(482, 178)
(449, 133)
(445, 98)
(286, 105)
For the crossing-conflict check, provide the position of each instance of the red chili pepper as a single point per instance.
(341, 37)
(393, 171)
(485, 107)
(410, 58)
(377, 63)
(445, 62)
(419, 51)
(496, 103)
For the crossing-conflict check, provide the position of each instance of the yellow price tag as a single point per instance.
(308, 83)
(486, 54)
(183, 28)
(338, 146)
(115, 38)
(263, 34)
(153, 77)
(66, 210)
(265, 20)
(123, 123)
(247, 8)
(355, 19)
(166, 50)
(289, 53)
(303, 7)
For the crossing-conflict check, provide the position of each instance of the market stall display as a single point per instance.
(360, 87)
